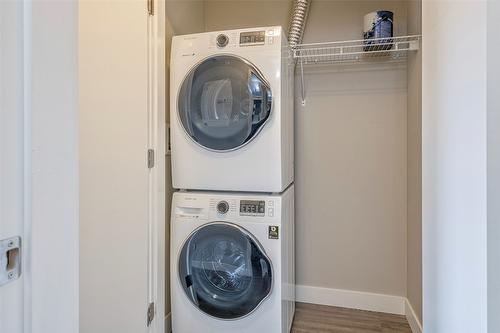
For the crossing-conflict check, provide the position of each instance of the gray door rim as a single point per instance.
(257, 71)
(259, 246)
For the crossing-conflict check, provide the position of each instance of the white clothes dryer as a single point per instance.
(232, 262)
(231, 111)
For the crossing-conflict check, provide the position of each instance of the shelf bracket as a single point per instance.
(303, 93)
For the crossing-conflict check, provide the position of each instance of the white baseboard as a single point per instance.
(360, 300)
(351, 299)
(415, 324)
(168, 323)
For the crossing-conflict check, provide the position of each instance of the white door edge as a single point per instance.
(156, 271)
(27, 59)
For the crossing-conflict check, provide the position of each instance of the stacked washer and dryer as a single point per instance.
(232, 222)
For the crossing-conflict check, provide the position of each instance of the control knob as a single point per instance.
(222, 40)
(222, 207)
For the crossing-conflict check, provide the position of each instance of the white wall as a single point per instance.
(185, 16)
(454, 167)
(223, 15)
(414, 176)
(351, 162)
(493, 167)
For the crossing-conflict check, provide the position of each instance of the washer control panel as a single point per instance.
(252, 208)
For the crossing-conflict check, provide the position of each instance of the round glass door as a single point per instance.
(224, 102)
(224, 272)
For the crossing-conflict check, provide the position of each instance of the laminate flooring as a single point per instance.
(312, 318)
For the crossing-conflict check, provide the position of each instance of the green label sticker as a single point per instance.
(274, 232)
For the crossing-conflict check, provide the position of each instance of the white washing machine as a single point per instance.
(232, 262)
(231, 111)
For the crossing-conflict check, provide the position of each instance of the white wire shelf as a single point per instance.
(353, 51)
(393, 48)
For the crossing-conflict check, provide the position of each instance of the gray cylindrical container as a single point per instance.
(378, 24)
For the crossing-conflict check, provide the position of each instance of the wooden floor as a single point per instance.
(312, 318)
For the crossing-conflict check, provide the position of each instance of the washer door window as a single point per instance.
(224, 272)
(224, 102)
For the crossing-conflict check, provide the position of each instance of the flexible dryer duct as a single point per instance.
(298, 21)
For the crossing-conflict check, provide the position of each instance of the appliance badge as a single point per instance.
(274, 232)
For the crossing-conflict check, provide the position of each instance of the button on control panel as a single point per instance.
(270, 212)
(252, 208)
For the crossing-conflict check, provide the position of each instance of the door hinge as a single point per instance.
(151, 8)
(151, 158)
(151, 313)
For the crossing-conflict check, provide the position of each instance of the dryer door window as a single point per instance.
(224, 102)
(224, 271)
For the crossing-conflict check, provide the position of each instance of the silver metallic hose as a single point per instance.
(298, 21)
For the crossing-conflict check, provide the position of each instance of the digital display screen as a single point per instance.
(252, 207)
(253, 37)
